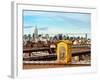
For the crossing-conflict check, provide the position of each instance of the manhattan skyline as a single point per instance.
(56, 22)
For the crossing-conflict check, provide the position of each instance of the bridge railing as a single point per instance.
(82, 46)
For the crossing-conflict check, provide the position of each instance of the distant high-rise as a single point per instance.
(86, 36)
(35, 32)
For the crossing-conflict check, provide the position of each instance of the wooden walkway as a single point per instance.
(75, 52)
(39, 66)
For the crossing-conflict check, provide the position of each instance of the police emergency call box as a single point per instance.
(64, 51)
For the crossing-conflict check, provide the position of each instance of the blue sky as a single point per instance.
(56, 22)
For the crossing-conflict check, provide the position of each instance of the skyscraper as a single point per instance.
(86, 36)
(35, 32)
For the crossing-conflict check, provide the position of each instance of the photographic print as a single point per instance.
(54, 39)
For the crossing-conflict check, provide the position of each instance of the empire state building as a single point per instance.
(36, 33)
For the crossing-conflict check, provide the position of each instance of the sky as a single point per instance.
(56, 22)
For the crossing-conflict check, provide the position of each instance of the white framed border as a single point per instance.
(17, 70)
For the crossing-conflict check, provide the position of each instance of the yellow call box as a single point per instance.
(64, 51)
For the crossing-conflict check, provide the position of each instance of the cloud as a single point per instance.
(28, 27)
(60, 22)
